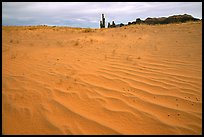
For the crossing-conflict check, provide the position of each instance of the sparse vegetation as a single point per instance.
(76, 43)
(13, 56)
(88, 30)
(55, 29)
(32, 28)
(14, 41)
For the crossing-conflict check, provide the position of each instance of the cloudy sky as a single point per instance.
(88, 14)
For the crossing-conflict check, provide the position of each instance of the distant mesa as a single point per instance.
(152, 21)
(171, 19)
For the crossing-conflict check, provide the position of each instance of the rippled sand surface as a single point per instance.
(137, 79)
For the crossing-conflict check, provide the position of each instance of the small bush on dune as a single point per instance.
(14, 41)
(13, 56)
(55, 29)
(77, 43)
(32, 28)
(88, 30)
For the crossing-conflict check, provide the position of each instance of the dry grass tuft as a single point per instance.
(88, 30)
(76, 43)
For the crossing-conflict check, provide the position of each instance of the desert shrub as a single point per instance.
(76, 43)
(32, 28)
(13, 56)
(88, 30)
(55, 29)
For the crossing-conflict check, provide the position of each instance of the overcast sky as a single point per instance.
(88, 14)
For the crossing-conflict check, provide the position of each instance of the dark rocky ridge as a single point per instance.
(161, 20)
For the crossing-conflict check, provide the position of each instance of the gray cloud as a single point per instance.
(88, 14)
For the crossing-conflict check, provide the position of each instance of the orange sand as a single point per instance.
(136, 79)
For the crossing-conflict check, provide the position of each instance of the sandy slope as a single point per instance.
(136, 79)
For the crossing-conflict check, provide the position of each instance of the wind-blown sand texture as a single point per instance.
(137, 79)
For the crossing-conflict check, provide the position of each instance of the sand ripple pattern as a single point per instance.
(102, 86)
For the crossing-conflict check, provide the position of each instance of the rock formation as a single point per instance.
(102, 23)
(153, 21)
(112, 26)
(138, 21)
(109, 25)
(170, 19)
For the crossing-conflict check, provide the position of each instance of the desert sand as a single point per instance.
(137, 79)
